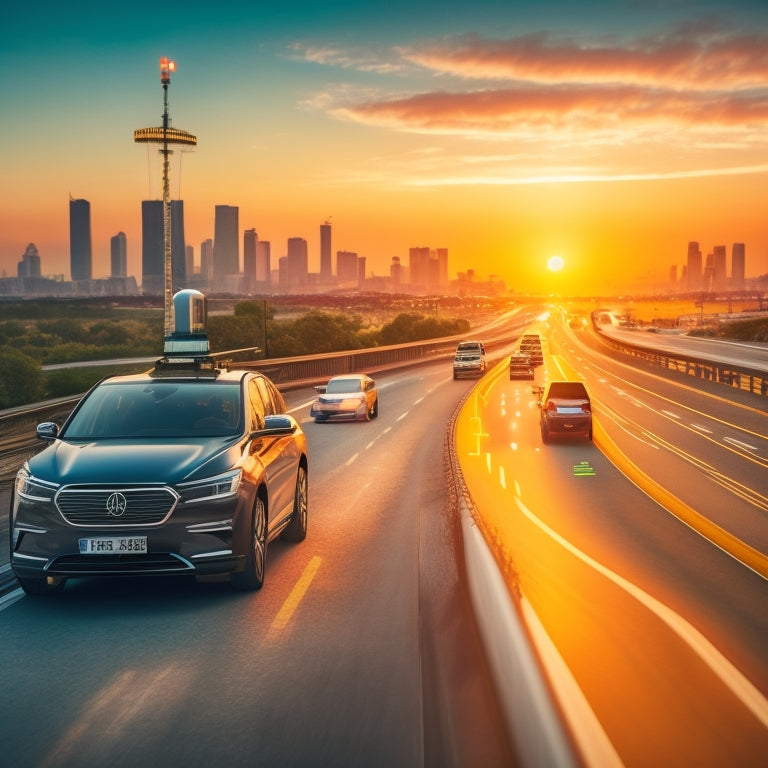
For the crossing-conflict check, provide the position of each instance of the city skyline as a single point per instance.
(226, 270)
(505, 132)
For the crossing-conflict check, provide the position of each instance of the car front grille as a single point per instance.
(109, 507)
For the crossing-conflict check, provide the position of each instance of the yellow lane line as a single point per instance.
(729, 543)
(721, 538)
(294, 598)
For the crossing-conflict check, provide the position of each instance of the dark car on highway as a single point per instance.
(530, 344)
(188, 469)
(520, 366)
(565, 410)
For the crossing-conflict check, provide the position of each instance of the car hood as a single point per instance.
(127, 461)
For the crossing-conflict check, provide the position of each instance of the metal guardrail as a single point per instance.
(284, 372)
(291, 370)
(744, 378)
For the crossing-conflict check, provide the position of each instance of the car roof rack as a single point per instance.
(206, 365)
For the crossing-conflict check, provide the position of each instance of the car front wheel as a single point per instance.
(296, 530)
(252, 575)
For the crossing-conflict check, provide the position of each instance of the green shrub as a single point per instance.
(21, 378)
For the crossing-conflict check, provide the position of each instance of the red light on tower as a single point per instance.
(166, 67)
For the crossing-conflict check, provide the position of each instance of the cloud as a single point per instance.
(523, 108)
(689, 61)
(383, 62)
(691, 77)
(585, 108)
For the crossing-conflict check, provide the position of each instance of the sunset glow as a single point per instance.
(555, 263)
(501, 133)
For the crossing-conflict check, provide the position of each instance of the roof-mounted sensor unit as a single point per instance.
(189, 337)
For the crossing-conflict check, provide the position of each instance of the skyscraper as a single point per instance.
(694, 267)
(396, 273)
(441, 254)
(298, 263)
(326, 273)
(361, 271)
(80, 249)
(250, 240)
(153, 247)
(346, 267)
(29, 266)
(418, 261)
(263, 266)
(189, 262)
(738, 263)
(226, 248)
(719, 269)
(118, 255)
(206, 261)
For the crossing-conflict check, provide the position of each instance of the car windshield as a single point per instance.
(340, 386)
(568, 390)
(157, 409)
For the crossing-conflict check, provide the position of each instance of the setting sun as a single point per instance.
(555, 263)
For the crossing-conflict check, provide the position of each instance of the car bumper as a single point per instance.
(473, 371)
(339, 410)
(196, 539)
(569, 426)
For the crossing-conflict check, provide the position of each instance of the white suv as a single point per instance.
(469, 359)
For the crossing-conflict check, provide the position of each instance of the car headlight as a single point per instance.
(211, 488)
(32, 488)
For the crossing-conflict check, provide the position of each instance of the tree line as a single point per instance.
(29, 341)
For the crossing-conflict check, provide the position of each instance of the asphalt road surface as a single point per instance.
(360, 650)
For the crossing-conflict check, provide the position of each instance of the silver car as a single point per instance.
(469, 359)
(353, 396)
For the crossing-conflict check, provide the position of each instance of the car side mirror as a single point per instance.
(276, 425)
(48, 430)
(320, 388)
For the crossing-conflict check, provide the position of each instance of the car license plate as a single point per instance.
(114, 545)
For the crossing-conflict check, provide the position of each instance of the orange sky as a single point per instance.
(611, 139)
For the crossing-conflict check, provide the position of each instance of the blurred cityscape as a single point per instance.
(222, 267)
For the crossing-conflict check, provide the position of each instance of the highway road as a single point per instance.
(361, 649)
(652, 617)
(741, 353)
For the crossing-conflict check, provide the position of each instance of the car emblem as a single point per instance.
(116, 505)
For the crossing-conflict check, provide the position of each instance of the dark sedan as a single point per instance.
(565, 410)
(176, 471)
